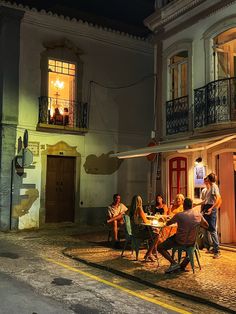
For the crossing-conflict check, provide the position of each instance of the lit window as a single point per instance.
(61, 91)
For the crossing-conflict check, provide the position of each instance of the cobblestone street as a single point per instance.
(215, 283)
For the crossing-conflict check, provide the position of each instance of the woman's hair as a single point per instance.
(115, 196)
(180, 196)
(212, 177)
(159, 195)
(135, 203)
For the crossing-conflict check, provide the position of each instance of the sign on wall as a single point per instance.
(199, 174)
(34, 147)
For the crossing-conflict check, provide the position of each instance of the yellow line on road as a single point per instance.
(108, 283)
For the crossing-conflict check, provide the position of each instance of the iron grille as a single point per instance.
(74, 115)
(215, 102)
(177, 115)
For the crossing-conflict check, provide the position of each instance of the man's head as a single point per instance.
(211, 177)
(206, 181)
(188, 203)
(116, 199)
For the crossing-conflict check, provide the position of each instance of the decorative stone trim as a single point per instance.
(170, 13)
(73, 20)
(161, 19)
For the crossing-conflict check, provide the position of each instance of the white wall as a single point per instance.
(119, 119)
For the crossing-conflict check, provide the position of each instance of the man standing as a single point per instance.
(187, 222)
(115, 212)
(212, 203)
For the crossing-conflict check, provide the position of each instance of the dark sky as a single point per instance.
(123, 15)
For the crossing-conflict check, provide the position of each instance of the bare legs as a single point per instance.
(115, 223)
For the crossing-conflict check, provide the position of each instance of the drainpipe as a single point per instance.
(11, 191)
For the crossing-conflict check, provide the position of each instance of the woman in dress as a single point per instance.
(167, 231)
(161, 207)
(137, 217)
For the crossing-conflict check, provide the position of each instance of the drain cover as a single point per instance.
(9, 255)
(59, 281)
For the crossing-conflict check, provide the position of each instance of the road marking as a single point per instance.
(108, 283)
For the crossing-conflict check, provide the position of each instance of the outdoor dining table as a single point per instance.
(158, 228)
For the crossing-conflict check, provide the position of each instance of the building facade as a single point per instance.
(71, 93)
(195, 59)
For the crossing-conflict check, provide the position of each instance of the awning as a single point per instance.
(176, 146)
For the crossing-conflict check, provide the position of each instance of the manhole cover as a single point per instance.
(59, 281)
(9, 255)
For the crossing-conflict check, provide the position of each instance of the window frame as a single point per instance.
(178, 169)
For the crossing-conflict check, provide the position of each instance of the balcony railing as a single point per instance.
(177, 115)
(62, 112)
(215, 102)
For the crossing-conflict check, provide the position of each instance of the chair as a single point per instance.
(190, 252)
(130, 238)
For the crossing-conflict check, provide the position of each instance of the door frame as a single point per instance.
(61, 149)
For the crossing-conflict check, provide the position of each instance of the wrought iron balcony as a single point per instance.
(177, 115)
(63, 113)
(215, 102)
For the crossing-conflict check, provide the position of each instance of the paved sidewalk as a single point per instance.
(215, 283)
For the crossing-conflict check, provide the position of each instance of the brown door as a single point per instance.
(60, 189)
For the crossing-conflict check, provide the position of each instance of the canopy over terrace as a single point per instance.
(183, 146)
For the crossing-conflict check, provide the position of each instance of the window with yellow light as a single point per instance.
(61, 92)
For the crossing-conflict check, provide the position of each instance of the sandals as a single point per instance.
(149, 258)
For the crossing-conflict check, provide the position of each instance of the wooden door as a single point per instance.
(60, 189)
(177, 177)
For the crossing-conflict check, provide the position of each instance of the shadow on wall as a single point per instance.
(102, 164)
(27, 201)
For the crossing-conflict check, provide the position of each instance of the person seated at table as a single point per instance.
(137, 217)
(160, 206)
(167, 231)
(115, 214)
(136, 212)
(177, 207)
(187, 222)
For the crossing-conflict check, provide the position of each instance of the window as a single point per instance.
(177, 176)
(225, 54)
(178, 68)
(61, 105)
(61, 91)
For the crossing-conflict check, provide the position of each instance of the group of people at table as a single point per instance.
(178, 223)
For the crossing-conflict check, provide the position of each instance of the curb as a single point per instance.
(177, 293)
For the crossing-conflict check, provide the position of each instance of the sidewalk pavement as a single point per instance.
(215, 284)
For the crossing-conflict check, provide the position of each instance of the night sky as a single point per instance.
(123, 15)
